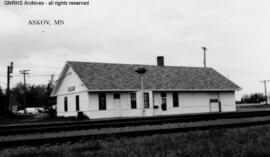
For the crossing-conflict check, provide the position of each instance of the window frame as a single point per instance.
(77, 102)
(116, 96)
(163, 94)
(175, 99)
(133, 100)
(146, 100)
(102, 101)
(213, 101)
(66, 104)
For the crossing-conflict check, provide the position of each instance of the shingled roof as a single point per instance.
(108, 76)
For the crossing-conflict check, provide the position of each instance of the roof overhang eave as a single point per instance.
(113, 90)
(197, 90)
(157, 90)
(53, 95)
(238, 89)
(122, 90)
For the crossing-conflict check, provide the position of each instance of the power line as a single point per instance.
(35, 75)
(33, 67)
(42, 75)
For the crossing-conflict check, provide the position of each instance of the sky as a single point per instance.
(235, 32)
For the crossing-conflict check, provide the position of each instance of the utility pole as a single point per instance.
(204, 56)
(265, 90)
(49, 90)
(9, 71)
(24, 73)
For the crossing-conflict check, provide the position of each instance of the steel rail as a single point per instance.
(92, 121)
(132, 133)
(96, 124)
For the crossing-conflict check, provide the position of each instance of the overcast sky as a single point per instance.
(236, 33)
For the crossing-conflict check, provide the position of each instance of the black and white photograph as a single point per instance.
(134, 78)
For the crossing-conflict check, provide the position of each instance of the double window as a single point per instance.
(102, 101)
(77, 103)
(133, 100)
(65, 104)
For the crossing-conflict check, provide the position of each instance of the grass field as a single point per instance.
(252, 107)
(244, 142)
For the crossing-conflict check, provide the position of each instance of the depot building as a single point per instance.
(109, 90)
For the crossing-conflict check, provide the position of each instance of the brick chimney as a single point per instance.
(160, 61)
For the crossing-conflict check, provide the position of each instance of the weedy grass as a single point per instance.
(242, 142)
(254, 107)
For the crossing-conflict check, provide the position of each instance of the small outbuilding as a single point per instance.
(106, 90)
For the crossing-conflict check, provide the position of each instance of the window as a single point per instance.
(133, 100)
(163, 94)
(77, 103)
(65, 104)
(213, 100)
(175, 99)
(116, 96)
(102, 101)
(70, 89)
(146, 100)
(163, 101)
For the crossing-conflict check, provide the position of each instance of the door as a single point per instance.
(214, 105)
(163, 101)
(117, 104)
(157, 103)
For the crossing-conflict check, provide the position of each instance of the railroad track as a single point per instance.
(122, 122)
(130, 133)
